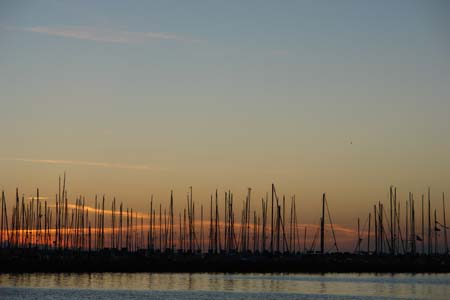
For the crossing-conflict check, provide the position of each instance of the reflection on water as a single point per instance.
(113, 286)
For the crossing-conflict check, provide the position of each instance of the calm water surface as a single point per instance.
(114, 286)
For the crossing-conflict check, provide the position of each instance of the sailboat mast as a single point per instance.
(322, 226)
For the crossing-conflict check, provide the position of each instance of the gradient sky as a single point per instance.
(132, 98)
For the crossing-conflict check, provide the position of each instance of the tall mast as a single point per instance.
(1, 220)
(180, 246)
(248, 219)
(264, 216)
(435, 233)
(278, 226)
(380, 225)
(283, 220)
(254, 231)
(227, 221)
(64, 199)
(152, 246)
(423, 227)
(120, 226)
(413, 226)
(184, 230)
(160, 227)
(201, 228)
(171, 222)
(17, 220)
(103, 222)
(113, 208)
(407, 214)
(131, 230)
(38, 218)
(216, 234)
(375, 228)
(57, 211)
(271, 226)
(322, 226)
(392, 224)
(291, 220)
(95, 223)
(445, 224)
(210, 226)
(368, 237)
(430, 243)
(191, 223)
(295, 228)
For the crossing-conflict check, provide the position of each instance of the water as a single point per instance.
(112, 286)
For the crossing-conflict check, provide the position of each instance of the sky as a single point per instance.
(134, 98)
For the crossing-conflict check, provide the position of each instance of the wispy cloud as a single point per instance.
(106, 35)
(40, 198)
(84, 163)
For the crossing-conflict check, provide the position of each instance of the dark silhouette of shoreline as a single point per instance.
(34, 260)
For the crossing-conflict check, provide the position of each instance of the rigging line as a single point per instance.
(361, 239)
(445, 227)
(332, 228)
(390, 230)
(313, 244)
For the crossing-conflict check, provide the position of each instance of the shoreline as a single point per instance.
(37, 261)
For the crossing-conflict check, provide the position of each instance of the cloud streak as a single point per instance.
(105, 35)
(84, 163)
